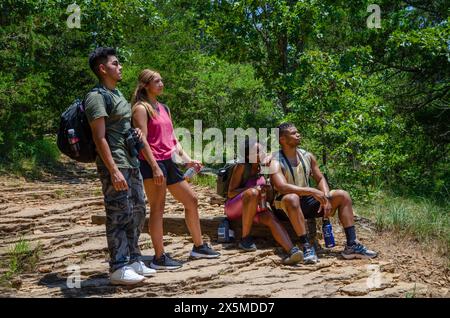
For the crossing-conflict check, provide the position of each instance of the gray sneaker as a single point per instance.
(204, 251)
(309, 254)
(246, 244)
(295, 256)
(358, 250)
(165, 262)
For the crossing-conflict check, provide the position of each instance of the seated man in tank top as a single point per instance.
(291, 169)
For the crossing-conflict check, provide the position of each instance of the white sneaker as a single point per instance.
(140, 268)
(125, 276)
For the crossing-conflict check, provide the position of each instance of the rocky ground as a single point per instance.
(55, 214)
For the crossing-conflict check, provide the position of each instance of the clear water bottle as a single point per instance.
(262, 203)
(327, 231)
(74, 142)
(190, 173)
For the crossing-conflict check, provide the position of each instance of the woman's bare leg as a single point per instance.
(184, 194)
(156, 195)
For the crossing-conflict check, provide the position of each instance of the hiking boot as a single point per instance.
(126, 276)
(140, 268)
(247, 244)
(295, 256)
(309, 254)
(357, 250)
(204, 251)
(165, 262)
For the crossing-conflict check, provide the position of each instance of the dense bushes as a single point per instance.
(372, 104)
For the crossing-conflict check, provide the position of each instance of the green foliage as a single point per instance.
(372, 104)
(32, 158)
(219, 93)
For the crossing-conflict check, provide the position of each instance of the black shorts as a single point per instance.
(309, 207)
(168, 167)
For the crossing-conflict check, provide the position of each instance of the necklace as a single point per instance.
(155, 107)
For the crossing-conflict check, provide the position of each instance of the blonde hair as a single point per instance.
(140, 93)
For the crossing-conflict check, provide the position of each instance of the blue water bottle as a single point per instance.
(327, 231)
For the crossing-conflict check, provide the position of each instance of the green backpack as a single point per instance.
(224, 177)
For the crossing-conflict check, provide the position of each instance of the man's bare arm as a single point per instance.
(280, 183)
(98, 134)
(322, 184)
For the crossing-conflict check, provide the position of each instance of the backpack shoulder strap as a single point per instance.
(305, 153)
(285, 162)
(302, 153)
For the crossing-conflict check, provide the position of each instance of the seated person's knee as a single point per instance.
(250, 194)
(343, 196)
(292, 200)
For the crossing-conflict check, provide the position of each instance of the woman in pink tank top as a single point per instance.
(160, 172)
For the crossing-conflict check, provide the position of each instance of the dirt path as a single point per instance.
(57, 215)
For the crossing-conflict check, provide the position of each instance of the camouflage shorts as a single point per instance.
(125, 216)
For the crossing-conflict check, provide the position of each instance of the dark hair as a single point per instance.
(100, 56)
(284, 127)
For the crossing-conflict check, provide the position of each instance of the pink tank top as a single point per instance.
(160, 135)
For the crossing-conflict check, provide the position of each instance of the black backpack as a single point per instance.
(74, 117)
(224, 177)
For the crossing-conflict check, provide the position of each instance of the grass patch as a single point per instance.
(424, 219)
(59, 193)
(21, 259)
(412, 293)
(83, 257)
(205, 180)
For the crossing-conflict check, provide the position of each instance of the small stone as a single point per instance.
(356, 289)
(37, 232)
(45, 269)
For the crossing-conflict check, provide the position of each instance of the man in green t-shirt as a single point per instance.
(118, 170)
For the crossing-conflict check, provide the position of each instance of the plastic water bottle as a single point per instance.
(190, 173)
(74, 142)
(327, 231)
(224, 233)
(262, 203)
